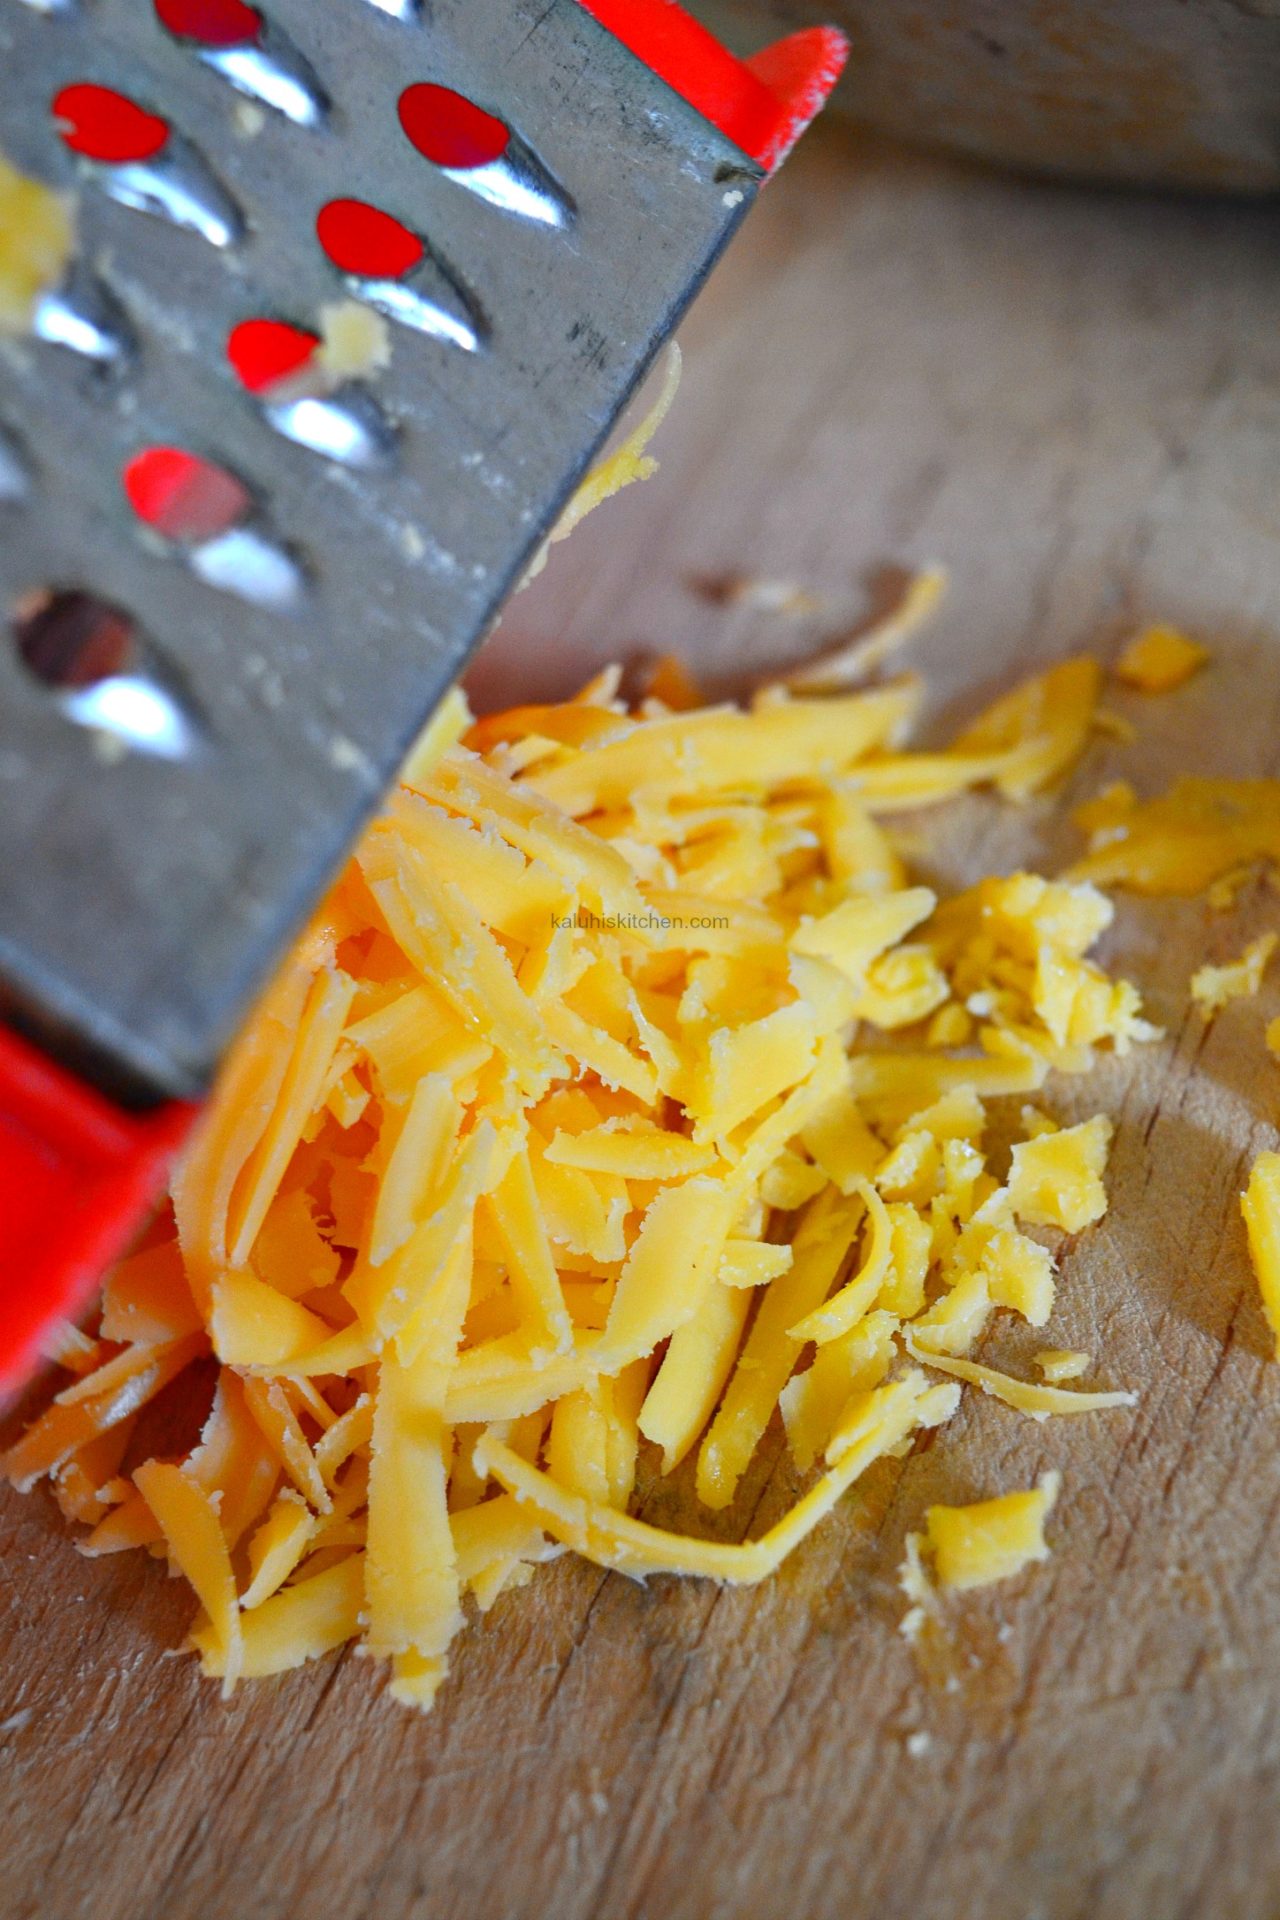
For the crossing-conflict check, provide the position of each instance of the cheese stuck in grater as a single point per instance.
(237, 570)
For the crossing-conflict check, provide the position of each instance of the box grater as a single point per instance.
(234, 579)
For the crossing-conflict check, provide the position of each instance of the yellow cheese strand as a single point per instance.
(1025, 1396)
(670, 1269)
(881, 1420)
(765, 1363)
(254, 1325)
(858, 1295)
(530, 1266)
(276, 1548)
(698, 1361)
(323, 1016)
(295, 1625)
(411, 1576)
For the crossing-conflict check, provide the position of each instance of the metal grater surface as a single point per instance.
(142, 896)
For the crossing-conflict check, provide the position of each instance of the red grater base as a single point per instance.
(764, 104)
(77, 1173)
(77, 1176)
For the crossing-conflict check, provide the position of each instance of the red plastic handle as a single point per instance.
(764, 104)
(76, 1177)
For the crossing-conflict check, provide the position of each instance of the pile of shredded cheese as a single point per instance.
(625, 1093)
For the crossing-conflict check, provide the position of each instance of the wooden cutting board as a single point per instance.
(1073, 402)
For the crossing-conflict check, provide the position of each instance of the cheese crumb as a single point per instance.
(1159, 659)
(1212, 987)
(1055, 1180)
(915, 1584)
(1223, 893)
(248, 119)
(36, 241)
(1062, 1363)
(990, 1540)
(354, 341)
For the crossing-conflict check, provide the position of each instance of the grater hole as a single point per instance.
(88, 653)
(103, 125)
(303, 399)
(83, 316)
(450, 130)
(214, 23)
(183, 497)
(145, 166)
(67, 638)
(206, 513)
(234, 41)
(482, 153)
(365, 241)
(394, 270)
(266, 353)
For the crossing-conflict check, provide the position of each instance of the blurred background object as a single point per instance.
(1169, 93)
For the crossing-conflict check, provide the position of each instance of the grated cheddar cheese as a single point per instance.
(559, 1157)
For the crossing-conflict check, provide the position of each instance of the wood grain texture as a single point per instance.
(1074, 402)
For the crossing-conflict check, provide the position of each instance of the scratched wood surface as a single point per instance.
(1074, 403)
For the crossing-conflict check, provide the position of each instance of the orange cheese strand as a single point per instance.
(63, 1428)
(189, 1522)
(304, 1620)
